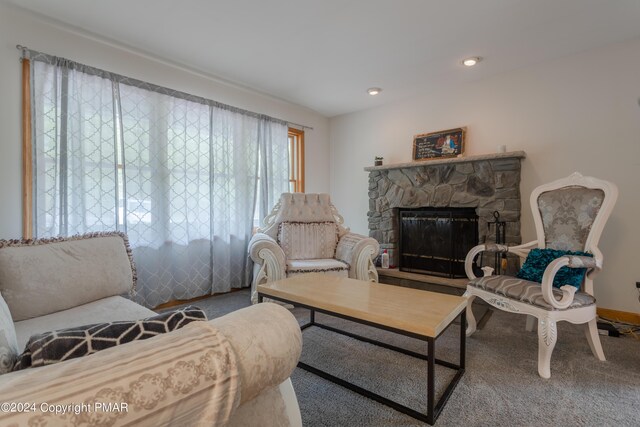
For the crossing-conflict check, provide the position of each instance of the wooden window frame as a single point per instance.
(27, 157)
(296, 166)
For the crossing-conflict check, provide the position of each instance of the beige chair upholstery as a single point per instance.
(304, 233)
(569, 214)
(95, 266)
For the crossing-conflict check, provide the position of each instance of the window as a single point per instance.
(178, 173)
(296, 160)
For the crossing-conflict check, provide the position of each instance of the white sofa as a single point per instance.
(304, 233)
(166, 380)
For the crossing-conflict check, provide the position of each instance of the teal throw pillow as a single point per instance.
(538, 260)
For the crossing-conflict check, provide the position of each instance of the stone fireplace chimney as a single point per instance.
(487, 183)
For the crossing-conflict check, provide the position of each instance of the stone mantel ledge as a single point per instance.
(463, 159)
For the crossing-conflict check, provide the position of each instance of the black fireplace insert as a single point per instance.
(436, 240)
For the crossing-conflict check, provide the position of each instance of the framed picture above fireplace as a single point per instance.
(438, 145)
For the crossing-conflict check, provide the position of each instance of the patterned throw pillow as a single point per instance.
(57, 346)
(8, 342)
(308, 240)
(538, 260)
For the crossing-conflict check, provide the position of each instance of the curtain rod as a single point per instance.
(26, 53)
(299, 125)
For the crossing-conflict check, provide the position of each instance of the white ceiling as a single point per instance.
(324, 54)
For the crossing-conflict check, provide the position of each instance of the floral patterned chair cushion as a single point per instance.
(567, 216)
(526, 291)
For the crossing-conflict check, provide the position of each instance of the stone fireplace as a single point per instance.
(486, 183)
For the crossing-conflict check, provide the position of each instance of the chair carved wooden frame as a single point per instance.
(353, 256)
(569, 214)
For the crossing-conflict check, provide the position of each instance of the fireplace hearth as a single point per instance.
(479, 184)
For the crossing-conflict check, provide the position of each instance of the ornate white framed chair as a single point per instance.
(304, 233)
(569, 214)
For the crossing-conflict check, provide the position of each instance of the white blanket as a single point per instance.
(186, 377)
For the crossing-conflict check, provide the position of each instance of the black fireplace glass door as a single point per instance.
(436, 240)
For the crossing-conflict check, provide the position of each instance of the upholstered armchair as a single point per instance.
(569, 215)
(304, 234)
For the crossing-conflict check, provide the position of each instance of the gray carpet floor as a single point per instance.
(500, 387)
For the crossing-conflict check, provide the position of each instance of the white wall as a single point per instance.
(18, 27)
(578, 113)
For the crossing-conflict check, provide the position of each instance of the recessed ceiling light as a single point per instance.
(374, 91)
(470, 62)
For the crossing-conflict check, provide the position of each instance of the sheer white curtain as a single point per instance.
(179, 174)
(75, 174)
(274, 178)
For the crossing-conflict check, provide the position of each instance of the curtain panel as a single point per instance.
(180, 174)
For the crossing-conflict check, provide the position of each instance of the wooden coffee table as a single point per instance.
(411, 312)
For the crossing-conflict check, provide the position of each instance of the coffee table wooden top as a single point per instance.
(420, 312)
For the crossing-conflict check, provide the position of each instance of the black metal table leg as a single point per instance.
(431, 385)
(463, 339)
(311, 322)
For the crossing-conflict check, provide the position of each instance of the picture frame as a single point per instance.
(438, 145)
